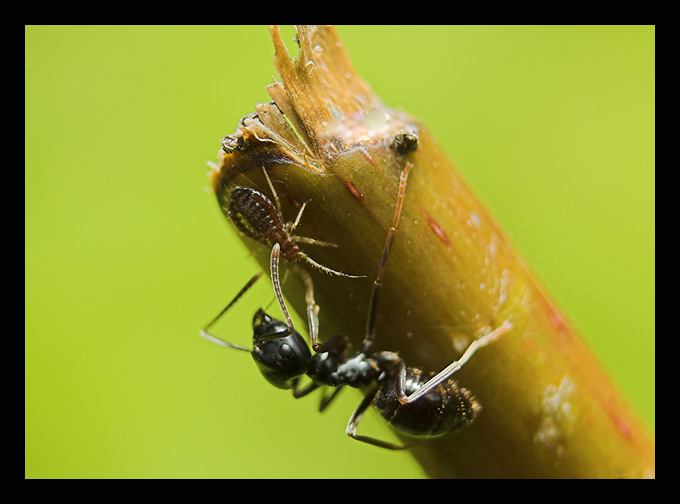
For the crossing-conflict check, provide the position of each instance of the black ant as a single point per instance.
(409, 401)
(257, 217)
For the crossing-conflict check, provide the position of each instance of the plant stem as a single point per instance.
(548, 409)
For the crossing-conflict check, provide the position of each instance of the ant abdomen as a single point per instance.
(444, 409)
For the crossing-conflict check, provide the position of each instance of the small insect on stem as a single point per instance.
(257, 217)
(415, 404)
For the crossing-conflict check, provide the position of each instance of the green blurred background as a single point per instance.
(127, 254)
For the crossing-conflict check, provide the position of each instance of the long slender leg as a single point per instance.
(326, 400)
(271, 188)
(377, 284)
(299, 216)
(312, 241)
(448, 370)
(312, 307)
(298, 393)
(204, 332)
(291, 226)
(304, 239)
(356, 418)
(325, 269)
(294, 224)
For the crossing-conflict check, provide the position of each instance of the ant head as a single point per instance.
(281, 359)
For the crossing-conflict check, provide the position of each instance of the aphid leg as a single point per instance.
(325, 269)
(271, 188)
(448, 370)
(377, 284)
(303, 239)
(298, 217)
(356, 418)
(312, 241)
(291, 227)
(204, 332)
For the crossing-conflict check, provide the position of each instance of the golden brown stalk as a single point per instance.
(548, 409)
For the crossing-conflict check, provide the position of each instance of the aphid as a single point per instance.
(415, 404)
(256, 216)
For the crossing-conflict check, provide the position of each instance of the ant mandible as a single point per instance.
(411, 402)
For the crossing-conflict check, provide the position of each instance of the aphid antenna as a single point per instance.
(311, 262)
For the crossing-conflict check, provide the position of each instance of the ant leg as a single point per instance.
(335, 344)
(298, 393)
(356, 418)
(274, 266)
(204, 332)
(377, 284)
(448, 370)
(312, 307)
(326, 400)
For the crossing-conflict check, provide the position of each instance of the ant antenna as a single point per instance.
(274, 267)
(204, 332)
